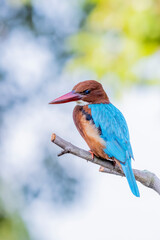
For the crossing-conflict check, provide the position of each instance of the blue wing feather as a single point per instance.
(114, 130)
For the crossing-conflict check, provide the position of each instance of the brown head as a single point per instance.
(89, 91)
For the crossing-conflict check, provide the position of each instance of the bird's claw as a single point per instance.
(91, 154)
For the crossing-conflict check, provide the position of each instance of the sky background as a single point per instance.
(43, 197)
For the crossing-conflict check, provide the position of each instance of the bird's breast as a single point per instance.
(84, 122)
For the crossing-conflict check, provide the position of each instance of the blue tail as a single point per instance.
(127, 169)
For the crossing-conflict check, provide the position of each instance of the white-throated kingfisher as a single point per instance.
(102, 126)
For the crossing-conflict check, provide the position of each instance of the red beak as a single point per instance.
(69, 97)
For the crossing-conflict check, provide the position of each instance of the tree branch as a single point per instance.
(145, 177)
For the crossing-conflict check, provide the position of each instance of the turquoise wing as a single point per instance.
(114, 130)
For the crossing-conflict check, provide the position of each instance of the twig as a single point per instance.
(145, 177)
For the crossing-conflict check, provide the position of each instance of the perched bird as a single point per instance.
(102, 126)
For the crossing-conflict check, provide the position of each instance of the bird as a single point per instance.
(102, 126)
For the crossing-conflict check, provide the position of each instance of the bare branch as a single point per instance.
(145, 177)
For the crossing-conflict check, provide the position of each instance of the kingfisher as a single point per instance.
(102, 126)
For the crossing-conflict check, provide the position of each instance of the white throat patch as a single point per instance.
(82, 103)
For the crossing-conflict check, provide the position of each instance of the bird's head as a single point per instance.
(86, 92)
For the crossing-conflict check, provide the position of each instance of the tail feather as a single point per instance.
(127, 169)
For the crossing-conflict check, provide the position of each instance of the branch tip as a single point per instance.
(53, 137)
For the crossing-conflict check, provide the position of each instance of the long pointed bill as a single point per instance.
(69, 97)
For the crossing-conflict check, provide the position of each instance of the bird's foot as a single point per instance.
(91, 154)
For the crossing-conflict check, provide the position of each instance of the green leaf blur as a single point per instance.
(115, 35)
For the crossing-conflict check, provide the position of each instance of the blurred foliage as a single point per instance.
(115, 35)
(54, 179)
(12, 227)
(63, 186)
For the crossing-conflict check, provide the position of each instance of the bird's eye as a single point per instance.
(86, 92)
